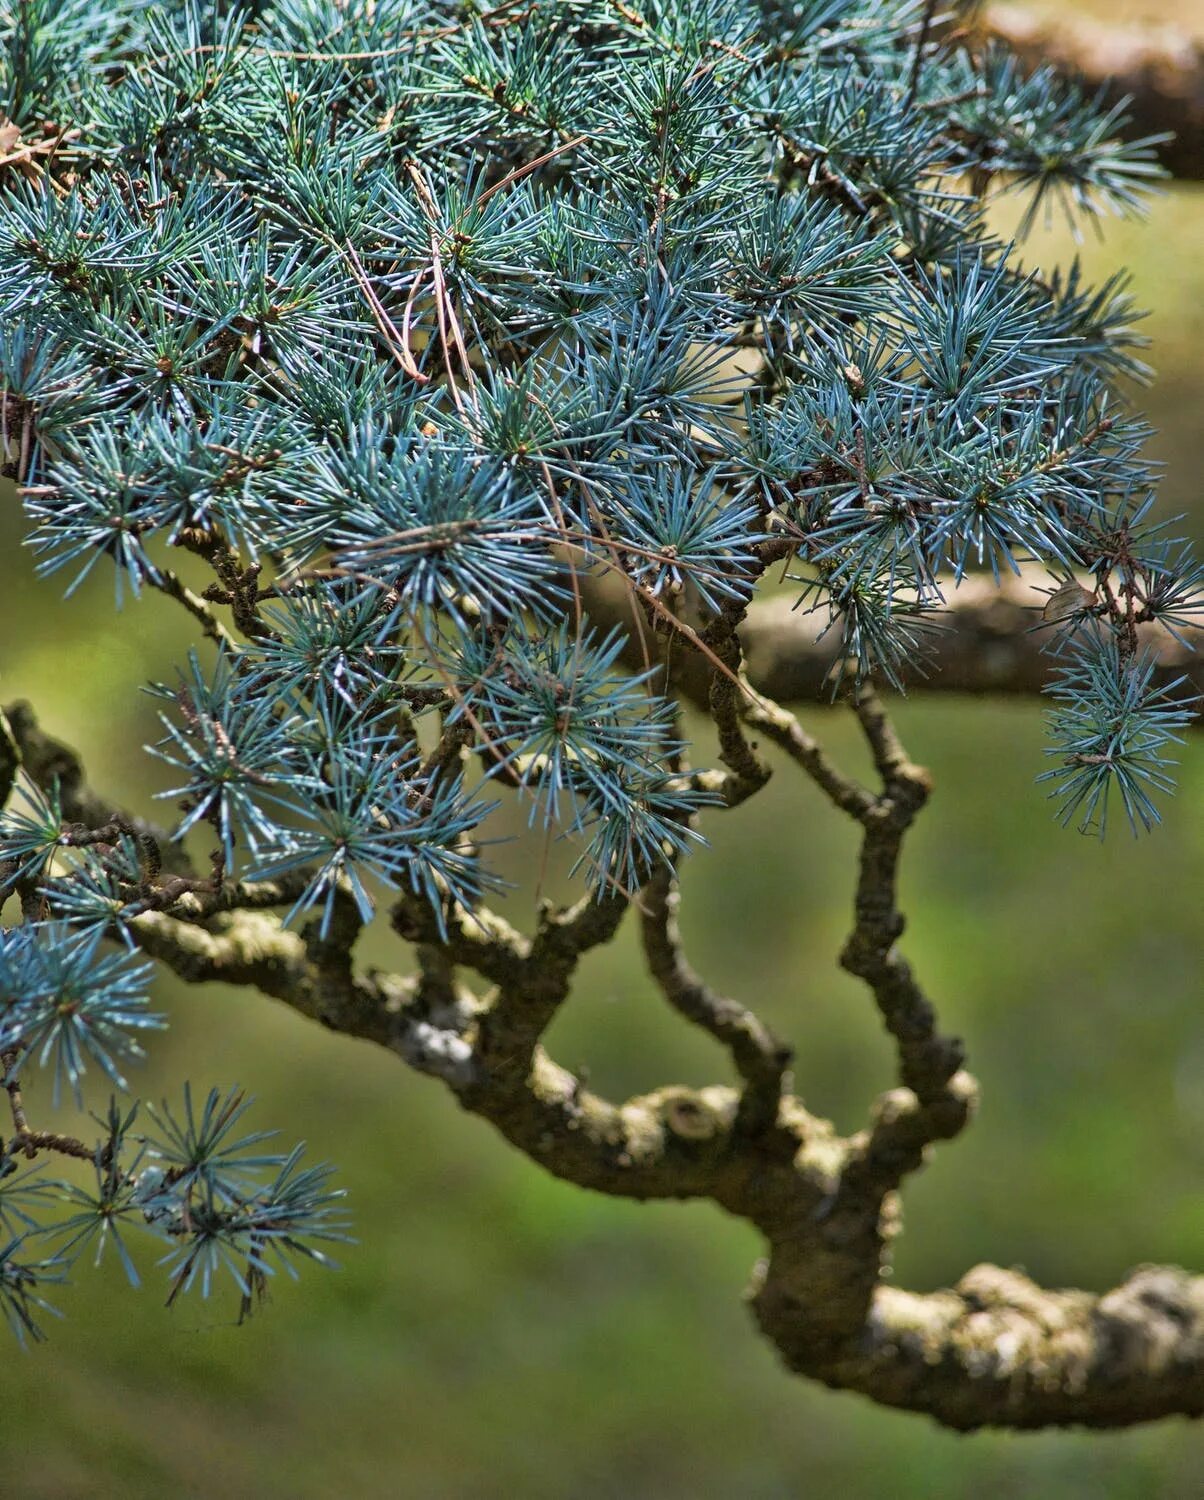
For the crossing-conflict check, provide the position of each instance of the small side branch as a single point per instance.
(517, 1014)
(936, 1098)
(173, 586)
(479, 939)
(26, 1141)
(760, 1058)
(785, 731)
(725, 701)
(531, 976)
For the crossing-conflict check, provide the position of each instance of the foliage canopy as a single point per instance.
(409, 319)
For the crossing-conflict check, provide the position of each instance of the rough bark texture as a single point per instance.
(995, 1350)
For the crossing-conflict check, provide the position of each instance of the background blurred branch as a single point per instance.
(1161, 66)
(988, 646)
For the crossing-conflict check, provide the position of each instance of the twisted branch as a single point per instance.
(760, 1058)
(936, 1097)
(996, 1349)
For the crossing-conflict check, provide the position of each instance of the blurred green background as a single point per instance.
(496, 1334)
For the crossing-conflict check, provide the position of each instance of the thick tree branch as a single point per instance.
(1160, 66)
(10, 759)
(996, 1349)
(673, 1143)
(254, 948)
(999, 1351)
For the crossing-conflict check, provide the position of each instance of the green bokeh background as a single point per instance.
(497, 1334)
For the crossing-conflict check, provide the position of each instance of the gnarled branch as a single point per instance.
(996, 1349)
(760, 1058)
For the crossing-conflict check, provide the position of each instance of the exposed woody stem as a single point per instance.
(46, 760)
(997, 1350)
(24, 1139)
(725, 703)
(760, 1058)
(936, 1098)
(994, 1350)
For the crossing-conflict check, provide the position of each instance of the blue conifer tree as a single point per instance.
(417, 323)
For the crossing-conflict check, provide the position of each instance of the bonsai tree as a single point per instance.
(517, 398)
